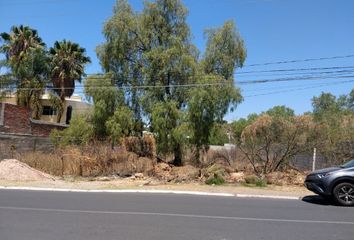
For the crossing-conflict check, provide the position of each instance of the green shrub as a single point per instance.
(261, 183)
(78, 133)
(216, 180)
(251, 179)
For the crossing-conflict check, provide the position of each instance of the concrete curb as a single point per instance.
(153, 191)
(120, 191)
(267, 196)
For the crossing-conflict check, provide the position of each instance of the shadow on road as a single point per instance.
(316, 199)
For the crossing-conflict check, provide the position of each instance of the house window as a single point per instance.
(49, 111)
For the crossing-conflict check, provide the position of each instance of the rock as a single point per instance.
(103, 179)
(139, 175)
(237, 177)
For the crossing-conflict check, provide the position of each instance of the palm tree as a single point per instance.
(19, 43)
(26, 56)
(67, 65)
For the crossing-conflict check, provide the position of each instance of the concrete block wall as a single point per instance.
(12, 144)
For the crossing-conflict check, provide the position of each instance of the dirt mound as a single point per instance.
(14, 170)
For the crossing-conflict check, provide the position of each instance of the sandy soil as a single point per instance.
(14, 170)
(151, 184)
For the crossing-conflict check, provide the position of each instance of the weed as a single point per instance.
(254, 181)
(261, 183)
(215, 180)
(251, 179)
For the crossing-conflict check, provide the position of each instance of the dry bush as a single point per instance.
(289, 177)
(219, 156)
(90, 161)
(47, 162)
(270, 142)
(143, 146)
(185, 173)
(233, 158)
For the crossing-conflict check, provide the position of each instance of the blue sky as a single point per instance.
(273, 30)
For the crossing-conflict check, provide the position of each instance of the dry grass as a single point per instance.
(89, 161)
(47, 162)
(143, 146)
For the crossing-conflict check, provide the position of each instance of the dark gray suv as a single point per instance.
(335, 182)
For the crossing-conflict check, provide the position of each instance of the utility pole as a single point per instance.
(314, 160)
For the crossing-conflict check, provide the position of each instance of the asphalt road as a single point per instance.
(33, 215)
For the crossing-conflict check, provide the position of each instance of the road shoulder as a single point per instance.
(148, 186)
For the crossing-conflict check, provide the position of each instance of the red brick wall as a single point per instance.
(17, 120)
(41, 129)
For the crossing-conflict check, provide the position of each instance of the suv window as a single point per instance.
(348, 164)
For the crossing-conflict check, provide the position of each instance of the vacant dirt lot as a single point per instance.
(14, 173)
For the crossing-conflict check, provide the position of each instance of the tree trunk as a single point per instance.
(62, 99)
(59, 115)
(178, 155)
(60, 110)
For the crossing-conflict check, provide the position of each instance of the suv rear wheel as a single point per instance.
(343, 194)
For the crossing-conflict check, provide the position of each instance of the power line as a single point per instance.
(273, 92)
(136, 87)
(102, 75)
(295, 74)
(283, 87)
(297, 89)
(225, 83)
(293, 79)
(333, 74)
(299, 60)
(298, 69)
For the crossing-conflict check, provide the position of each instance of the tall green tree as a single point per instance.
(121, 56)
(325, 105)
(335, 126)
(225, 53)
(106, 98)
(151, 48)
(239, 125)
(169, 61)
(150, 54)
(280, 111)
(67, 66)
(120, 124)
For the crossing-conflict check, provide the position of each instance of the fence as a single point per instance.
(232, 154)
